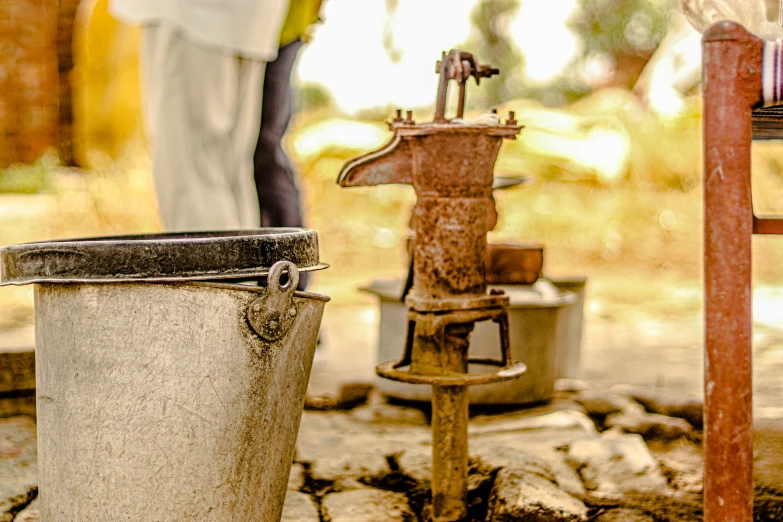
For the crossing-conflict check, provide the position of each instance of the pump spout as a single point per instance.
(391, 164)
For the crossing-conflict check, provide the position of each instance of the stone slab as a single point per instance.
(296, 478)
(416, 462)
(651, 425)
(18, 465)
(563, 421)
(382, 413)
(546, 462)
(519, 495)
(349, 467)
(768, 453)
(682, 463)
(624, 515)
(299, 507)
(324, 435)
(30, 513)
(690, 408)
(617, 463)
(368, 505)
(531, 434)
(598, 404)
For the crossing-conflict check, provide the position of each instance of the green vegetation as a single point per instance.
(619, 34)
(28, 179)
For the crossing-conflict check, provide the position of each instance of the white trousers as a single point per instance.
(202, 111)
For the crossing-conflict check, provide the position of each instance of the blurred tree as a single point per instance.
(311, 97)
(491, 43)
(392, 51)
(619, 37)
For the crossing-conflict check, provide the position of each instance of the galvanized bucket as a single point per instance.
(161, 398)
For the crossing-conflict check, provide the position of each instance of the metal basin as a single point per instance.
(536, 316)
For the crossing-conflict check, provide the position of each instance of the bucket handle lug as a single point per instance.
(273, 314)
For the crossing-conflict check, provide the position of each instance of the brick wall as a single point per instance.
(34, 59)
(65, 21)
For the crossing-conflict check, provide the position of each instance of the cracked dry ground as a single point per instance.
(618, 454)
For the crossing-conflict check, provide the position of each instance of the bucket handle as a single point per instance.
(272, 314)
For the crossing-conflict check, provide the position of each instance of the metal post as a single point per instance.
(449, 453)
(732, 85)
(449, 418)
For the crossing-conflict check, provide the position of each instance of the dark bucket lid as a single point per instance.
(233, 254)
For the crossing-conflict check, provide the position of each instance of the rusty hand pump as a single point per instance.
(450, 164)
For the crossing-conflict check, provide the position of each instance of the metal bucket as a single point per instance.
(569, 327)
(170, 401)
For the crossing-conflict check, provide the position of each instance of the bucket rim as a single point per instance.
(160, 257)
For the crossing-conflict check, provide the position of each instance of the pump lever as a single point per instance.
(458, 66)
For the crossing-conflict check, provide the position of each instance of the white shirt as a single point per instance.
(249, 28)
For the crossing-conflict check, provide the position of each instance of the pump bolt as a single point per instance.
(511, 118)
(409, 118)
(257, 307)
(398, 118)
(273, 325)
(292, 311)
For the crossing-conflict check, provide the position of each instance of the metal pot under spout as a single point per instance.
(538, 330)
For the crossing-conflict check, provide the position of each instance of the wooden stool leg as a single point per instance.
(732, 85)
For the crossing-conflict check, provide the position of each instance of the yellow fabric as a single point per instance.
(105, 82)
(301, 15)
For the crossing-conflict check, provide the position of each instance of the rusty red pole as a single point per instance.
(732, 86)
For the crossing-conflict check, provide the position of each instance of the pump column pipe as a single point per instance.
(450, 432)
(450, 253)
(450, 165)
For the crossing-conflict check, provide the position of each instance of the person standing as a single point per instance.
(276, 188)
(203, 67)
